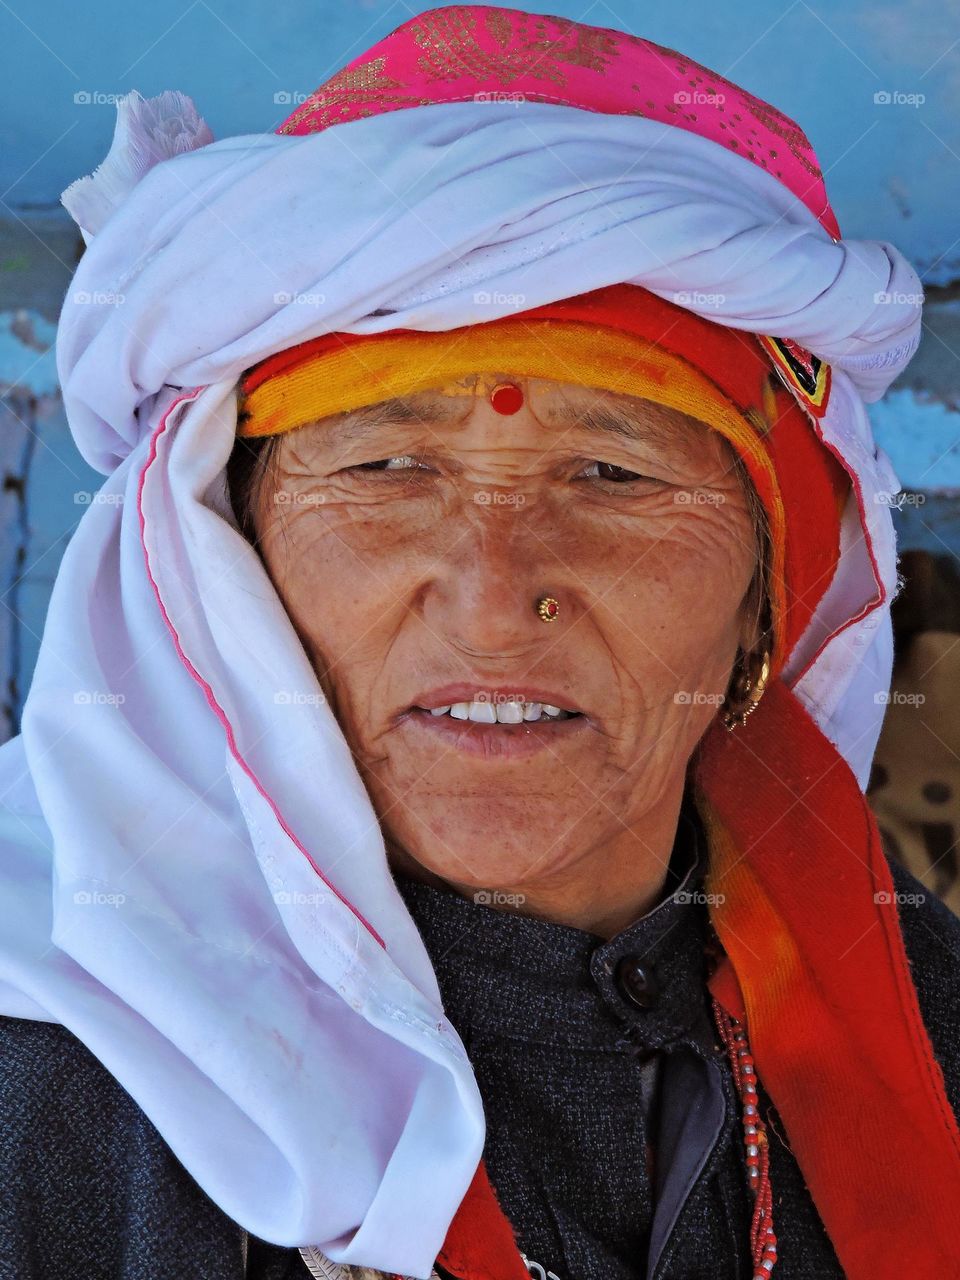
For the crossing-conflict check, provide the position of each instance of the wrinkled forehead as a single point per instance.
(564, 408)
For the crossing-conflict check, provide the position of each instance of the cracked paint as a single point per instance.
(28, 392)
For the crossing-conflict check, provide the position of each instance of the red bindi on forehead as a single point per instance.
(506, 398)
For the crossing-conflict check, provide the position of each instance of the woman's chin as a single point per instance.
(507, 848)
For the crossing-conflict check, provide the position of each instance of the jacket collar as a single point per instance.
(503, 973)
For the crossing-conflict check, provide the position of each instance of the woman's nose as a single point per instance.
(483, 599)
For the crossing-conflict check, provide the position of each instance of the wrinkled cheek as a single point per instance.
(333, 559)
(372, 531)
(348, 606)
(673, 626)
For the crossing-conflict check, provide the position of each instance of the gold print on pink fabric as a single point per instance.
(722, 98)
(784, 128)
(452, 50)
(344, 92)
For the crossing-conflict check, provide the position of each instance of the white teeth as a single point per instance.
(514, 711)
(483, 712)
(510, 712)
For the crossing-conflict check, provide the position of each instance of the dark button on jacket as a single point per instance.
(637, 981)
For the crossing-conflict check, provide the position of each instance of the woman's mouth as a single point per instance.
(497, 730)
(513, 712)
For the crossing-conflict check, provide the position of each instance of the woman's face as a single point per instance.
(407, 576)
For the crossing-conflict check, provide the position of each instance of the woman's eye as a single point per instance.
(610, 471)
(402, 461)
(600, 470)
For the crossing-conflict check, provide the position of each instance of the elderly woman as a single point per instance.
(436, 843)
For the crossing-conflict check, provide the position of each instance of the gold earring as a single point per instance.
(748, 693)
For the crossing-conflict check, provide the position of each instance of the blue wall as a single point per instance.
(893, 169)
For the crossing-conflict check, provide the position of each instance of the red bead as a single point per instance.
(506, 397)
(764, 1246)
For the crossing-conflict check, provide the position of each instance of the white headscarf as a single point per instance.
(194, 878)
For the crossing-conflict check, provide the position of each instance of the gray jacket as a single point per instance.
(90, 1191)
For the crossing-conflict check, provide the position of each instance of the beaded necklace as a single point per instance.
(763, 1241)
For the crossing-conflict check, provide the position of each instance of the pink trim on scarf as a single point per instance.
(207, 689)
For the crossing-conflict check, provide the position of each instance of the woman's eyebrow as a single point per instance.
(648, 423)
(639, 424)
(359, 424)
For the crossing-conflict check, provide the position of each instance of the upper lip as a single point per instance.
(448, 694)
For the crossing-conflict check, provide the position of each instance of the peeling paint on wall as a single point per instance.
(44, 489)
(28, 394)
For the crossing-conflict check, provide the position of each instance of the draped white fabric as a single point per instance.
(194, 878)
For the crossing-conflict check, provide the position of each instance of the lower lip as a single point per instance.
(496, 741)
